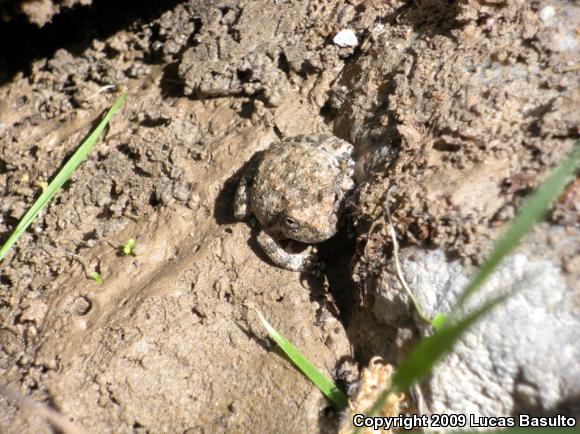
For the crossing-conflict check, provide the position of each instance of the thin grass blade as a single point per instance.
(531, 212)
(419, 362)
(61, 177)
(327, 387)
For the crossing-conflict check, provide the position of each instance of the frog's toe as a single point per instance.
(313, 266)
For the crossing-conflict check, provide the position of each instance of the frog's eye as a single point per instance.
(290, 222)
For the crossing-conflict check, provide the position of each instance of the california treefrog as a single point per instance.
(296, 190)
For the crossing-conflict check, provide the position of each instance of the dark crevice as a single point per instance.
(244, 75)
(149, 122)
(336, 254)
(283, 64)
(232, 30)
(154, 200)
(247, 109)
(73, 29)
(91, 235)
(171, 84)
(4, 167)
(5, 280)
(428, 17)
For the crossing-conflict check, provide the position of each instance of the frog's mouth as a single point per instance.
(305, 231)
(310, 239)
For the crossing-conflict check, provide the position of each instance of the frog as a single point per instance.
(297, 190)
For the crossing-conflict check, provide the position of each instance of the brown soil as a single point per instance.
(462, 115)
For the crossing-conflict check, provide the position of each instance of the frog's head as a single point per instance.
(311, 224)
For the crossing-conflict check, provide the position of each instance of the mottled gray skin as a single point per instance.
(297, 191)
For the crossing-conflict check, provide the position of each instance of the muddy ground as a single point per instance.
(462, 107)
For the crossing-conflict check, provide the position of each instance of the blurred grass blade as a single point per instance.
(438, 321)
(327, 387)
(531, 211)
(61, 177)
(61, 422)
(419, 362)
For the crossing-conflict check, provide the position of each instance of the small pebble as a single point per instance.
(81, 306)
(139, 249)
(346, 38)
(547, 13)
(181, 192)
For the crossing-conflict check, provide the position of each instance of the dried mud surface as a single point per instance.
(462, 115)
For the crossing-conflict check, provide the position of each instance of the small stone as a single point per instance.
(346, 38)
(194, 201)
(547, 13)
(181, 192)
(81, 306)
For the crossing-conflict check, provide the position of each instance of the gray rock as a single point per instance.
(523, 357)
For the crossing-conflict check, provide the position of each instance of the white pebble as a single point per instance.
(346, 38)
(547, 13)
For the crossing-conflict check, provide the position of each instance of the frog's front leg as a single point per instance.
(242, 206)
(304, 261)
(242, 201)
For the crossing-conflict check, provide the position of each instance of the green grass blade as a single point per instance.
(327, 387)
(61, 177)
(419, 362)
(531, 212)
